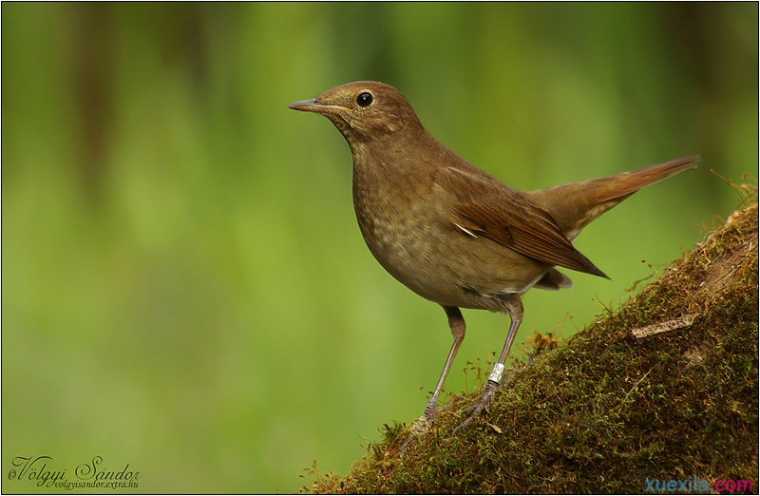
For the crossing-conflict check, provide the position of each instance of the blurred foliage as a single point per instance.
(185, 289)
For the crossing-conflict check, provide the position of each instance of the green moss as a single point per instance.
(606, 411)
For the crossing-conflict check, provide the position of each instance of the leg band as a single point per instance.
(497, 373)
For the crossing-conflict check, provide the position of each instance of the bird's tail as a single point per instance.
(574, 205)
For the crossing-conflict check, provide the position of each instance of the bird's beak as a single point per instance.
(309, 105)
(313, 105)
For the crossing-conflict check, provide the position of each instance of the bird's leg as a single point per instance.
(457, 325)
(515, 309)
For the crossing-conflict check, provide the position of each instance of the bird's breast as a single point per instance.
(408, 230)
(396, 220)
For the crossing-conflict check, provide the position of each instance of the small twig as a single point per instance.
(743, 189)
(632, 288)
(670, 325)
(630, 391)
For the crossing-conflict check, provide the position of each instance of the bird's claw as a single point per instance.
(483, 404)
(419, 427)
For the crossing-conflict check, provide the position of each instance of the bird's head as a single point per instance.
(364, 111)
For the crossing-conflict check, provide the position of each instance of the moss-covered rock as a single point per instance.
(608, 410)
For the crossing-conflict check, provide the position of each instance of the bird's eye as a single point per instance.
(364, 99)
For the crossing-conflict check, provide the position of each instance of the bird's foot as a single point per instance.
(420, 426)
(482, 404)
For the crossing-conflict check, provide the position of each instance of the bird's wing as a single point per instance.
(481, 206)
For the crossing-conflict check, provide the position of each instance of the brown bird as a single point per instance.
(454, 234)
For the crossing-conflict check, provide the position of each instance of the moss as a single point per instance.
(606, 410)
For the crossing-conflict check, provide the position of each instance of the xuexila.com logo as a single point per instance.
(698, 485)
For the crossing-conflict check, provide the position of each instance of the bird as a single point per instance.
(453, 233)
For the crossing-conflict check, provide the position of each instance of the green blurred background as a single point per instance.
(185, 288)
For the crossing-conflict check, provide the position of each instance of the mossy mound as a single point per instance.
(608, 410)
